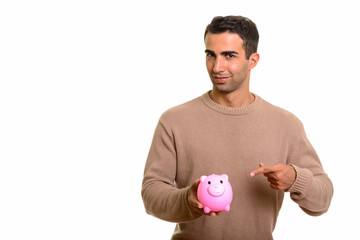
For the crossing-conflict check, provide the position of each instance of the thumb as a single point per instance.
(193, 193)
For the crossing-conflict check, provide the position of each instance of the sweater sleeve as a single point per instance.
(161, 197)
(312, 189)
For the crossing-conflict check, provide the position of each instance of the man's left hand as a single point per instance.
(280, 176)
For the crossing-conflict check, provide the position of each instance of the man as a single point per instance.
(230, 130)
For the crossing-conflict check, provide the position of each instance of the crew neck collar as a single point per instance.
(231, 110)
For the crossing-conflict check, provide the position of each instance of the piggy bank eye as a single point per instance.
(221, 181)
(209, 182)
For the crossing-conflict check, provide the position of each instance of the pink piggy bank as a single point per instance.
(215, 193)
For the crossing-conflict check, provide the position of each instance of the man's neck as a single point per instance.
(232, 99)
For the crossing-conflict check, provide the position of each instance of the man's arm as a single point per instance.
(303, 177)
(160, 194)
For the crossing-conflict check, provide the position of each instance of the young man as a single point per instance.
(230, 130)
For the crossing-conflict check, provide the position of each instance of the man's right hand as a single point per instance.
(195, 205)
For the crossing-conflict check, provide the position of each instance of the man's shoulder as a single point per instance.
(185, 109)
(281, 115)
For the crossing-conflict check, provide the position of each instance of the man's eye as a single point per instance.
(230, 56)
(209, 55)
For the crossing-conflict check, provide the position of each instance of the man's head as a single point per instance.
(231, 53)
(242, 26)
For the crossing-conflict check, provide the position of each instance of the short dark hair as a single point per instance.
(240, 25)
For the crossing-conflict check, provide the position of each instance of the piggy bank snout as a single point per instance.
(216, 190)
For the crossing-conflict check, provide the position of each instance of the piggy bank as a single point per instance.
(215, 193)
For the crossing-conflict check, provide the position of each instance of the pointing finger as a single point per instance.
(262, 170)
(258, 171)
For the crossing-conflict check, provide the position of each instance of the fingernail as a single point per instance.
(252, 174)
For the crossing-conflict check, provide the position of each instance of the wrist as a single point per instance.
(303, 178)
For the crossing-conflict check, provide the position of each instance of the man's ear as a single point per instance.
(253, 60)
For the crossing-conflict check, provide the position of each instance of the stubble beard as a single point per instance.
(228, 87)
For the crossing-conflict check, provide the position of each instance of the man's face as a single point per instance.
(226, 61)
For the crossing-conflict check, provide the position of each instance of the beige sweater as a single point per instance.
(202, 137)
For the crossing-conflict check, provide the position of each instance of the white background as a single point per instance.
(83, 84)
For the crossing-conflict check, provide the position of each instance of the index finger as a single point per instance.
(261, 170)
(258, 171)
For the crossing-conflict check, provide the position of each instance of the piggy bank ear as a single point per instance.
(202, 178)
(225, 176)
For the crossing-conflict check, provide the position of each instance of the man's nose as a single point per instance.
(219, 65)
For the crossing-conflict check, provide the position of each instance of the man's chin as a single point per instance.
(223, 88)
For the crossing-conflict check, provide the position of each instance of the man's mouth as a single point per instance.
(220, 79)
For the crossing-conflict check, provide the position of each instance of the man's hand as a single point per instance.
(280, 176)
(195, 205)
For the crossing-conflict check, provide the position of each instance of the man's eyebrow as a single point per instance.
(222, 53)
(209, 51)
(228, 52)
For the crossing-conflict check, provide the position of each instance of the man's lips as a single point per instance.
(220, 79)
